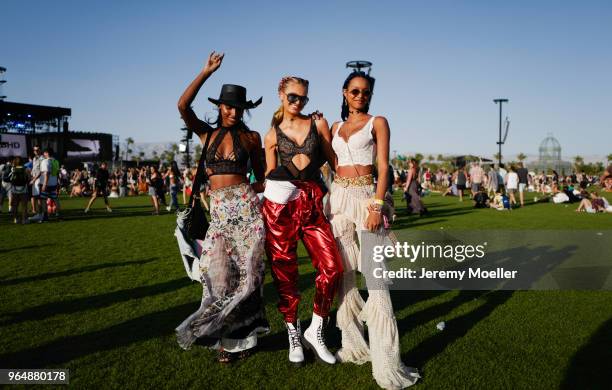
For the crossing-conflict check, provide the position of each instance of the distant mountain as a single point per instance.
(149, 147)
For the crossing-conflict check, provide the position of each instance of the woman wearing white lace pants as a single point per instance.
(356, 205)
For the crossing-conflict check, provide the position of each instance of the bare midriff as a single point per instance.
(354, 170)
(220, 181)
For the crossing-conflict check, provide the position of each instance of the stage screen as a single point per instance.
(12, 145)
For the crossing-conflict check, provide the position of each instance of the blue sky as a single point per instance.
(121, 66)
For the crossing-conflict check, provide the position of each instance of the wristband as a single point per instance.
(379, 202)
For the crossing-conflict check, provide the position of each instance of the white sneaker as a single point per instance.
(168, 208)
(108, 209)
(296, 352)
(314, 339)
(86, 211)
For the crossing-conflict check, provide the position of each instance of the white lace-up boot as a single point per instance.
(314, 339)
(296, 352)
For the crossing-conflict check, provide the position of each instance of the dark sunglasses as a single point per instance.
(293, 98)
(355, 92)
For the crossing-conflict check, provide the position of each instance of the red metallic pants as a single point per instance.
(285, 224)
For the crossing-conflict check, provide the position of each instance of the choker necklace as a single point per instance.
(355, 112)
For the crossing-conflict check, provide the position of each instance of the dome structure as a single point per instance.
(550, 156)
(550, 149)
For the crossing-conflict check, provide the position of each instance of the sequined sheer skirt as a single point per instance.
(231, 312)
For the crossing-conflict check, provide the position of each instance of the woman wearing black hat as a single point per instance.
(231, 266)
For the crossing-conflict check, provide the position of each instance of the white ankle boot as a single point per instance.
(296, 352)
(314, 339)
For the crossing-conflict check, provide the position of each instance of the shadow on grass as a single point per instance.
(41, 312)
(405, 223)
(80, 216)
(589, 368)
(139, 329)
(95, 214)
(70, 272)
(456, 327)
(534, 262)
(149, 326)
(3, 251)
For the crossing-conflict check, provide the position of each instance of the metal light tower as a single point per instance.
(500, 142)
(2, 82)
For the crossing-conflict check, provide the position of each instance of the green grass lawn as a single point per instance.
(101, 294)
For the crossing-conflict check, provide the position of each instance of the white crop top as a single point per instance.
(360, 146)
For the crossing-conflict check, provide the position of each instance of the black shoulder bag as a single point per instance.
(196, 223)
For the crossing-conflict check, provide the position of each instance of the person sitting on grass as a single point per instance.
(481, 199)
(451, 189)
(591, 203)
(501, 201)
(606, 179)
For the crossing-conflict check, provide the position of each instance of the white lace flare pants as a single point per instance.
(348, 212)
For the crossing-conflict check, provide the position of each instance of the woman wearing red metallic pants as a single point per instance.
(293, 209)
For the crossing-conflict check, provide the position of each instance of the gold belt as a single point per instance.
(359, 181)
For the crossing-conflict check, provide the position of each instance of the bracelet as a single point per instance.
(376, 207)
(379, 202)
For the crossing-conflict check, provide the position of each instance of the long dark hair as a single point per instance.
(344, 113)
(175, 170)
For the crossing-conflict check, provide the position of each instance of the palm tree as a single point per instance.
(155, 156)
(430, 158)
(418, 157)
(497, 156)
(440, 157)
(170, 154)
(578, 161)
(198, 151)
(141, 155)
(609, 157)
(521, 157)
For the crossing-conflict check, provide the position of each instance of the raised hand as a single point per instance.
(214, 62)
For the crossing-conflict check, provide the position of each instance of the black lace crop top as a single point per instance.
(235, 163)
(287, 149)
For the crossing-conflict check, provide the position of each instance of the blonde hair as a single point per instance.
(277, 118)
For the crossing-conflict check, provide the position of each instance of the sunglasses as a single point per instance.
(365, 92)
(293, 98)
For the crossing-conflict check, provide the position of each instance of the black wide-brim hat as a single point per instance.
(235, 96)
